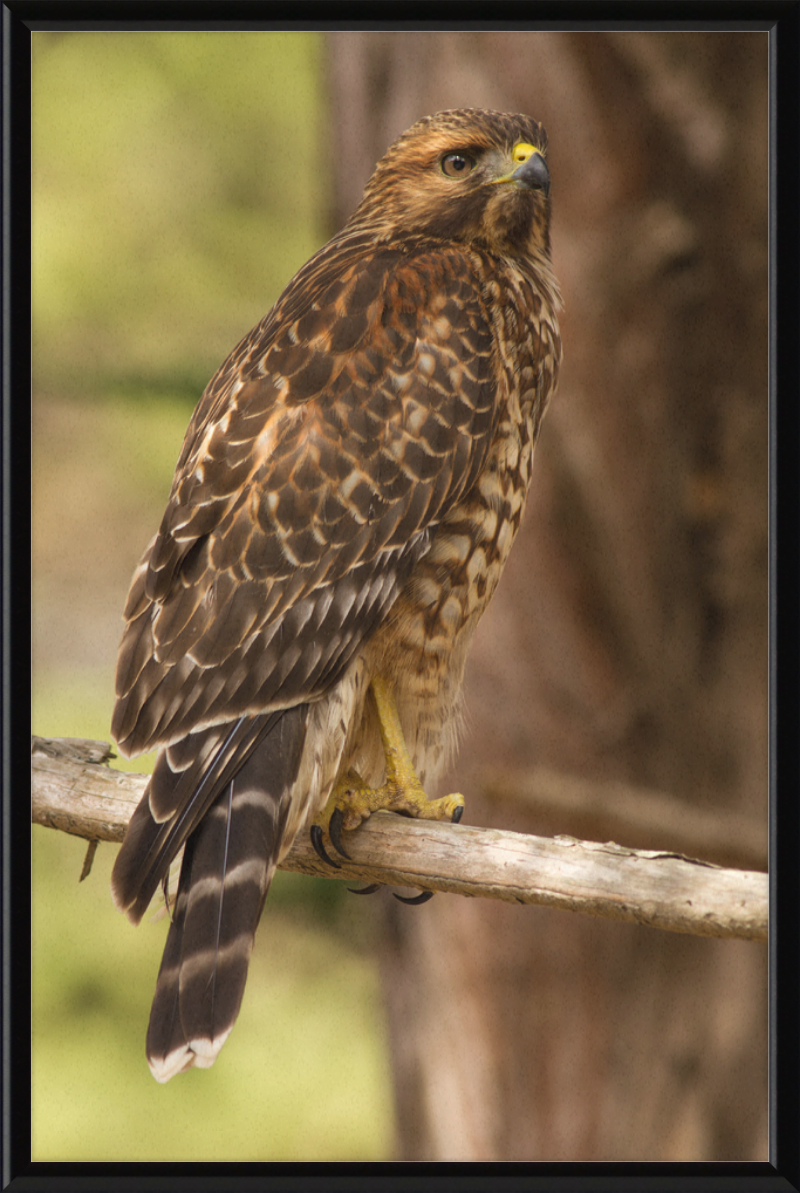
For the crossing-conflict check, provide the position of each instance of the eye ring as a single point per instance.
(457, 165)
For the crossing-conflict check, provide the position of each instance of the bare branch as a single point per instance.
(599, 810)
(75, 791)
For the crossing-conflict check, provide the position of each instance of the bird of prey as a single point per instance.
(346, 497)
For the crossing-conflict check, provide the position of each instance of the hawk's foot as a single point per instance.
(353, 801)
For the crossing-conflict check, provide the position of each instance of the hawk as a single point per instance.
(346, 497)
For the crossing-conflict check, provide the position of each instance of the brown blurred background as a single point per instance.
(627, 645)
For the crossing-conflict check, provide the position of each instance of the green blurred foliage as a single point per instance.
(177, 187)
(303, 1076)
(179, 181)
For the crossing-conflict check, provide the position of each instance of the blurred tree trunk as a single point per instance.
(628, 639)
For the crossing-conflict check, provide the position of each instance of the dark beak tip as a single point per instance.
(534, 173)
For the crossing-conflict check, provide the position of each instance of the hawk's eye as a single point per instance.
(457, 165)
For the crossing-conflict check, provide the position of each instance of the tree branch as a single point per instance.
(75, 791)
(598, 811)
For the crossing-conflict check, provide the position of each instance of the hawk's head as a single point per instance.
(468, 175)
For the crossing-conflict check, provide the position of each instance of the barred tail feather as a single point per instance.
(187, 779)
(228, 864)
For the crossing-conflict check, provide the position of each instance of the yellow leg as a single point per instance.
(353, 801)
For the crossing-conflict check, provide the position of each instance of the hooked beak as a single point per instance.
(533, 174)
(531, 171)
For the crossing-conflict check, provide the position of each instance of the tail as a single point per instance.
(228, 863)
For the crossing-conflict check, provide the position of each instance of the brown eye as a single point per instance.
(457, 165)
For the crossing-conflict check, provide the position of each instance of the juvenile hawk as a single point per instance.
(347, 494)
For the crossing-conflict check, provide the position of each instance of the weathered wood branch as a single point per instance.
(75, 791)
(598, 811)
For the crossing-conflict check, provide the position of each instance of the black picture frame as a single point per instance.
(782, 18)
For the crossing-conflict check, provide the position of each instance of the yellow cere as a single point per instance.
(521, 152)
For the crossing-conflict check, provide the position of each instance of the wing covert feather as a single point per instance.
(311, 476)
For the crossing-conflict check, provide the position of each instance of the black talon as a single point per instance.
(335, 833)
(165, 889)
(365, 890)
(319, 847)
(415, 900)
(459, 812)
